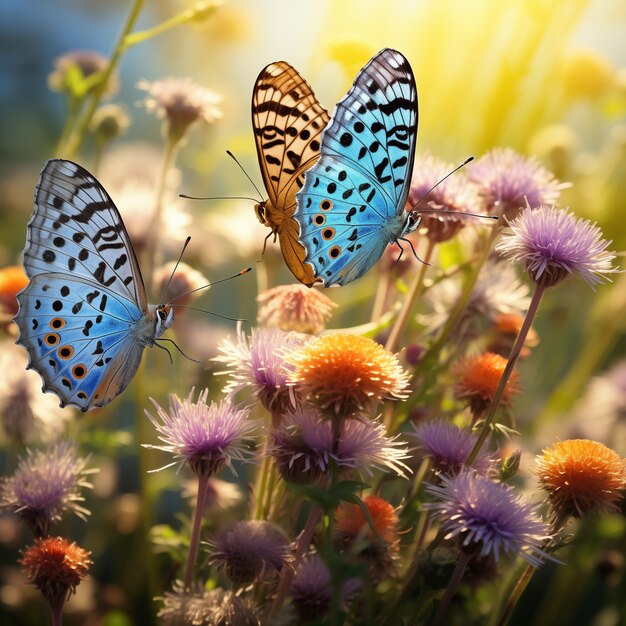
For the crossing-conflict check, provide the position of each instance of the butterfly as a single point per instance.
(288, 122)
(352, 202)
(83, 317)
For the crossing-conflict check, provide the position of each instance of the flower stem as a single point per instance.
(521, 585)
(194, 540)
(56, 611)
(508, 370)
(455, 580)
(382, 291)
(70, 147)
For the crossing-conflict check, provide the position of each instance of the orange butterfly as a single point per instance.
(288, 122)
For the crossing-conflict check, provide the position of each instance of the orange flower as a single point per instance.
(12, 281)
(580, 476)
(294, 307)
(346, 374)
(507, 327)
(56, 567)
(478, 379)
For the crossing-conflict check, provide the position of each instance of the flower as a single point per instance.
(12, 281)
(509, 181)
(553, 243)
(346, 374)
(498, 290)
(378, 541)
(56, 567)
(206, 437)
(294, 307)
(581, 476)
(251, 550)
(180, 102)
(303, 446)
(506, 329)
(257, 362)
(74, 73)
(456, 194)
(478, 377)
(587, 73)
(27, 415)
(206, 608)
(109, 122)
(178, 285)
(488, 517)
(450, 446)
(46, 485)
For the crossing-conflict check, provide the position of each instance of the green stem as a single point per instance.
(455, 580)
(70, 147)
(194, 540)
(508, 370)
(74, 105)
(381, 293)
(261, 480)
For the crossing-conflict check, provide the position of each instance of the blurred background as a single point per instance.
(543, 77)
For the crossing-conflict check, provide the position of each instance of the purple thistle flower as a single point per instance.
(303, 446)
(207, 437)
(257, 362)
(449, 447)
(488, 517)
(553, 243)
(45, 486)
(251, 550)
(509, 181)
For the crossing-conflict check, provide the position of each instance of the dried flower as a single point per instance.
(488, 517)
(185, 279)
(553, 243)
(450, 446)
(180, 102)
(75, 73)
(251, 550)
(581, 476)
(257, 362)
(27, 415)
(46, 485)
(294, 307)
(205, 607)
(346, 374)
(478, 377)
(56, 567)
(303, 446)
(206, 437)
(456, 194)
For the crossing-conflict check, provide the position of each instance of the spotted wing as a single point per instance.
(76, 229)
(288, 122)
(352, 202)
(80, 337)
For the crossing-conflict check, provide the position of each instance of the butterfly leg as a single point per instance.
(265, 244)
(412, 250)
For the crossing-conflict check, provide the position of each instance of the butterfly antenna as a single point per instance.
(456, 169)
(178, 348)
(216, 282)
(175, 268)
(224, 317)
(232, 156)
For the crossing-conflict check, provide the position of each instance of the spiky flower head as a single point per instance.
(180, 102)
(204, 436)
(487, 517)
(508, 181)
(346, 374)
(304, 445)
(257, 363)
(46, 485)
(56, 567)
(379, 542)
(477, 380)
(215, 607)
(581, 476)
(450, 446)
(553, 243)
(251, 550)
(294, 307)
(456, 194)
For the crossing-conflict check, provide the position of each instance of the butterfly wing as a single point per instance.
(288, 122)
(352, 202)
(83, 316)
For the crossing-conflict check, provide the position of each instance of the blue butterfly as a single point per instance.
(83, 318)
(352, 202)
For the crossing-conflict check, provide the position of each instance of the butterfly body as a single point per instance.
(351, 205)
(288, 122)
(84, 317)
